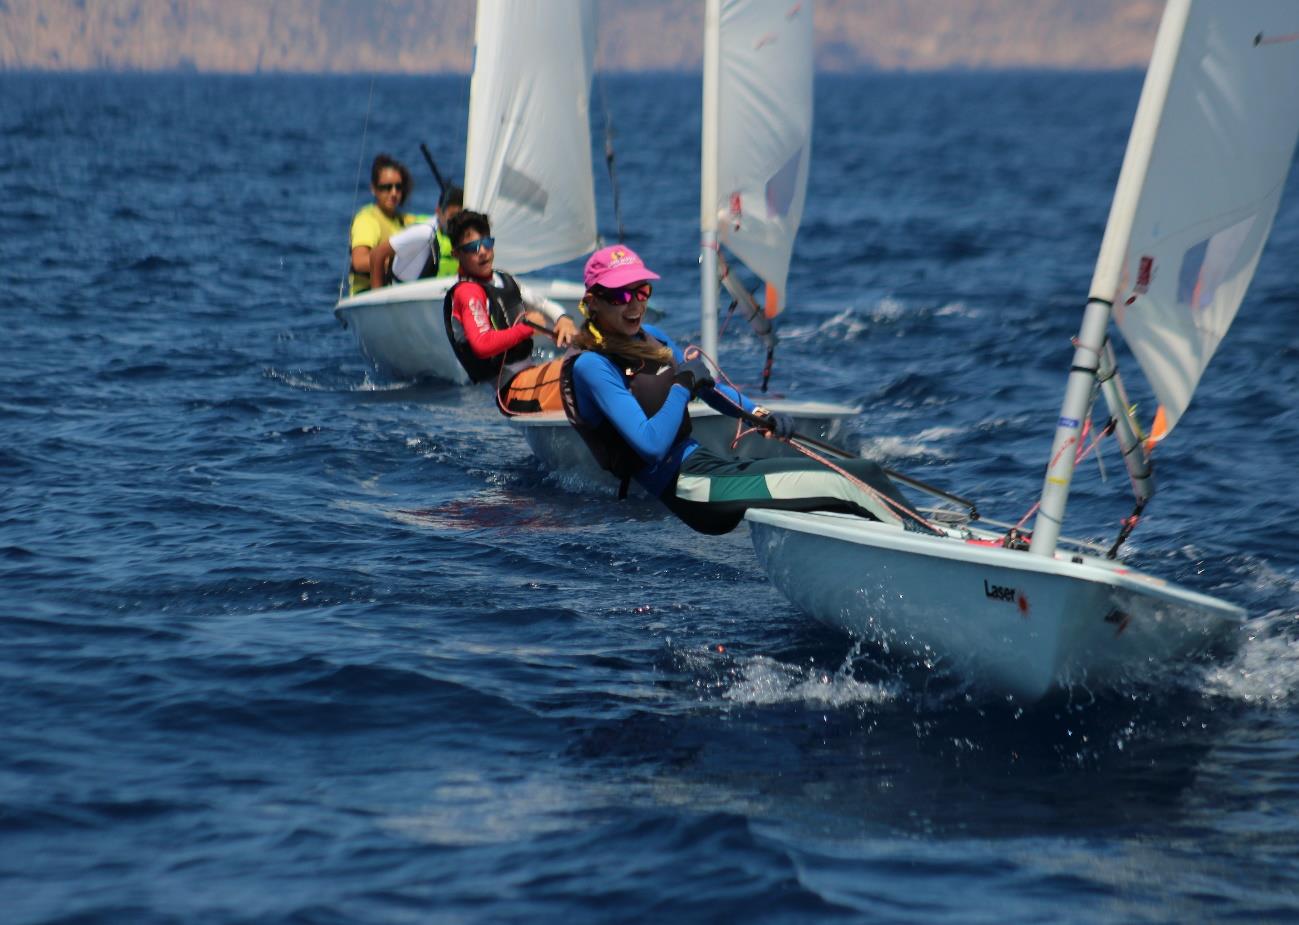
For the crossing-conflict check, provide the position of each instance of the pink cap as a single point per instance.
(616, 266)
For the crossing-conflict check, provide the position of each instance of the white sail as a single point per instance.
(1196, 219)
(528, 153)
(1202, 165)
(764, 142)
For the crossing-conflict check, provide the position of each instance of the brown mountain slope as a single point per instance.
(420, 36)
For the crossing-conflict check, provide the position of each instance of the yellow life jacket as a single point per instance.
(448, 263)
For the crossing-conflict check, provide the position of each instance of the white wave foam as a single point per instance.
(939, 433)
(295, 380)
(369, 385)
(1265, 671)
(577, 482)
(1264, 577)
(764, 681)
(899, 447)
(307, 383)
(893, 448)
(888, 309)
(847, 323)
(956, 309)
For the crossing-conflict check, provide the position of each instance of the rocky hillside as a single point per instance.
(418, 36)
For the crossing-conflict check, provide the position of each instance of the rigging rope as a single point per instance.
(1128, 524)
(609, 153)
(356, 187)
(693, 351)
(758, 319)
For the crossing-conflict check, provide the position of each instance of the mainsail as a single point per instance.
(1196, 218)
(764, 142)
(527, 157)
(1206, 161)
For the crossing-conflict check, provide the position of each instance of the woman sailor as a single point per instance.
(626, 392)
(391, 184)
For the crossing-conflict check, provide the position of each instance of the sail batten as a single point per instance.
(527, 158)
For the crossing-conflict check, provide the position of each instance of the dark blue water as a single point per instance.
(285, 643)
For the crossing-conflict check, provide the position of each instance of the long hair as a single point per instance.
(591, 337)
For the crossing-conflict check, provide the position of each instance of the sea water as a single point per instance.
(286, 642)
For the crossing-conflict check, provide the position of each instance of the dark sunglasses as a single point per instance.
(389, 187)
(623, 296)
(474, 247)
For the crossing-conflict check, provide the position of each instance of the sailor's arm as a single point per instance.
(363, 237)
(469, 307)
(378, 268)
(549, 313)
(596, 378)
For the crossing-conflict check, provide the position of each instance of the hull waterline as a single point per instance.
(401, 329)
(1004, 620)
(561, 450)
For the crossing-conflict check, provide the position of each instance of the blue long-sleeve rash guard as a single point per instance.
(603, 395)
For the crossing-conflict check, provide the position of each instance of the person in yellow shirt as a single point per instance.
(391, 184)
(420, 250)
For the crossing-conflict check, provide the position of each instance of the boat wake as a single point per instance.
(491, 510)
(345, 381)
(303, 381)
(762, 681)
(1265, 670)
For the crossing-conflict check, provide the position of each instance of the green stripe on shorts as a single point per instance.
(739, 488)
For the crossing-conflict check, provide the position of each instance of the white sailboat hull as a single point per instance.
(401, 329)
(1005, 620)
(561, 450)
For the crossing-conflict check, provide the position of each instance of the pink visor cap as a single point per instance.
(615, 267)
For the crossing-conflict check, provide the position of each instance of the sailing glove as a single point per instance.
(695, 376)
(780, 425)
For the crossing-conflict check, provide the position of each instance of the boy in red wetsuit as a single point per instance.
(488, 312)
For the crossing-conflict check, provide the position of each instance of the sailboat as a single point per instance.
(754, 160)
(1207, 159)
(525, 166)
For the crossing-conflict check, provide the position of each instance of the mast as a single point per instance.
(1105, 280)
(473, 143)
(708, 180)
